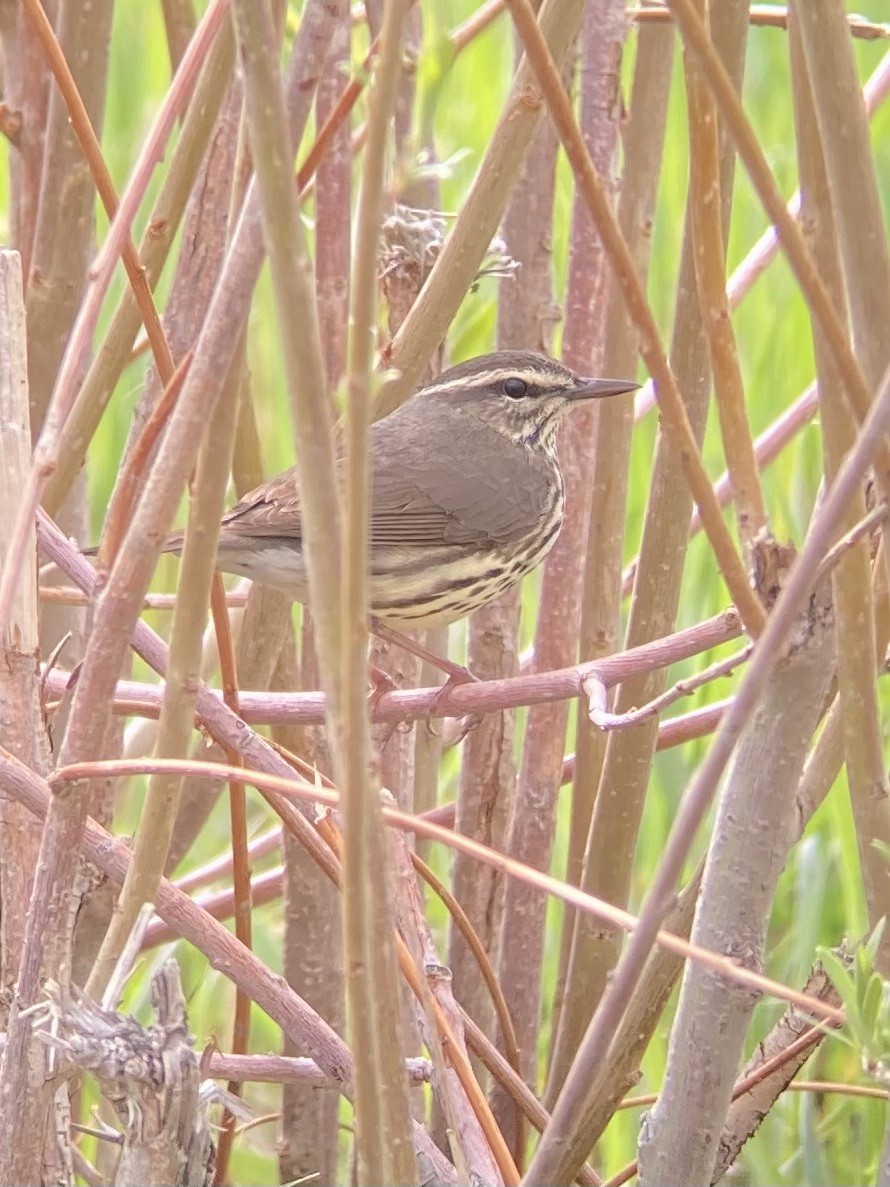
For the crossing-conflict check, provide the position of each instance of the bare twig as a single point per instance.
(759, 1085)
(26, 85)
(25, 784)
(611, 839)
(162, 799)
(547, 1166)
(765, 250)
(710, 274)
(295, 303)
(179, 25)
(532, 822)
(683, 688)
(312, 959)
(24, 723)
(382, 1147)
(470, 699)
(857, 650)
(478, 1145)
(856, 385)
(643, 145)
(770, 16)
(671, 404)
(47, 449)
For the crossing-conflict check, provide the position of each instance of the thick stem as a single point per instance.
(643, 143)
(753, 834)
(533, 814)
(854, 605)
(24, 730)
(383, 1147)
(656, 597)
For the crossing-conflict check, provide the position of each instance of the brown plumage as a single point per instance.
(467, 495)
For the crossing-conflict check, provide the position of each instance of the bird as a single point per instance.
(467, 494)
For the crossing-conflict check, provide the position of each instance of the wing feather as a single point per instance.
(417, 499)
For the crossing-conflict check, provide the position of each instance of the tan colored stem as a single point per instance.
(710, 274)
(674, 417)
(854, 605)
(643, 145)
(481, 212)
(383, 1145)
(177, 714)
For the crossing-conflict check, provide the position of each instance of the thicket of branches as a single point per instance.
(424, 936)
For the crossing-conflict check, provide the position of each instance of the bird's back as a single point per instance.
(449, 527)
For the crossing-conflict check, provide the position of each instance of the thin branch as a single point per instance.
(548, 1163)
(675, 419)
(372, 1000)
(241, 887)
(282, 708)
(179, 25)
(532, 823)
(643, 142)
(683, 688)
(300, 789)
(611, 836)
(856, 386)
(298, 322)
(710, 273)
(118, 239)
(161, 803)
(765, 250)
(68, 595)
(24, 723)
(767, 446)
(480, 1150)
(769, 16)
(287, 1069)
(854, 606)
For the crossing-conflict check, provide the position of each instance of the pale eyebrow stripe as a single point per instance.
(486, 379)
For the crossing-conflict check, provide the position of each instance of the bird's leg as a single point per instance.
(456, 673)
(381, 683)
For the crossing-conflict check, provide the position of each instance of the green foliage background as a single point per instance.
(816, 1139)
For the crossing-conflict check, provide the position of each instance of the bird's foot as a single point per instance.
(457, 674)
(381, 683)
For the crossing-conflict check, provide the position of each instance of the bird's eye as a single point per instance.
(515, 388)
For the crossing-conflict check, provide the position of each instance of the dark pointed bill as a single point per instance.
(598, 389)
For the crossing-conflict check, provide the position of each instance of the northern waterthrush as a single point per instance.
(467, 494)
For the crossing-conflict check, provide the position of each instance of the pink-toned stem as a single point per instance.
(220, 904)
(80, 341)
(489, 696)
(723, 667)
(25, 785)
(767, 446)
(765, 250)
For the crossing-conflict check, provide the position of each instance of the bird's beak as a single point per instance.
(598, 389)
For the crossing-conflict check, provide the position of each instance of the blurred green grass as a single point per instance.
(820, 900)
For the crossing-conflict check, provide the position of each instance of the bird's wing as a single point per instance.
(273, 509)
(453, 503)
(418, 498)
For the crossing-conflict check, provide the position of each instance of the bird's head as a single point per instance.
(519, 393)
